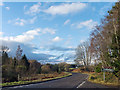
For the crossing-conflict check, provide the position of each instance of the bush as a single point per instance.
(92, 78)
(45, 69)
(98, 68)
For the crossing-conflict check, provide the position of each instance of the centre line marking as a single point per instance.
(81, 84)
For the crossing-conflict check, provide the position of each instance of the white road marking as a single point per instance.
(87, 77)
(81, 84)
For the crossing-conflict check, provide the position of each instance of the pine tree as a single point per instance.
(24, 62)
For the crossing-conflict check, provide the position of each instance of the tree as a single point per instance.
(45, 69)
(4, 50)
(55, 68)
(24, 62)
(105, 40)
(66, 67)
(35, 67)
(114, 51)
(19, 53)
(83, 54)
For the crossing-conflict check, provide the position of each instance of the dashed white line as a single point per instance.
(87, 77)
(81, 84)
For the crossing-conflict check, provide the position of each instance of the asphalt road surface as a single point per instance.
(77, 80)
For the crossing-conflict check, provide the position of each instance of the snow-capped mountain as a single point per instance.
(66, 57)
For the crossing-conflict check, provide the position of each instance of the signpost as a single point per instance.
(106, 69)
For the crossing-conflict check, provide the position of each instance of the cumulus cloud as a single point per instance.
(61, 9)
(89, 24)
(8, 8)
(65, 8)
(34, 9)
(29, 35)
(56, 39)
(66, 22)
(48, 30)
(22, 22)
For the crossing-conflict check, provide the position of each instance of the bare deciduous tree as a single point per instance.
(19, 53)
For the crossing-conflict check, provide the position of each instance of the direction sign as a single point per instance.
(107, 70)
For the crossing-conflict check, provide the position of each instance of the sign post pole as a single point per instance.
(104, 75)
(107, 69)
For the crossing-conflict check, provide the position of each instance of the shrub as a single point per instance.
(92, 77)
(98, 68)
(45, 69)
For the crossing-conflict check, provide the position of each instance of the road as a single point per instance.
(77, 80)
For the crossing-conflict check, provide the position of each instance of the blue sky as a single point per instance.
(51, 27)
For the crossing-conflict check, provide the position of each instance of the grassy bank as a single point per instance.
(110, 79)
(38, 80)
(94, 77)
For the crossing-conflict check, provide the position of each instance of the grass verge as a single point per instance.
(110, 79)
(33, 81)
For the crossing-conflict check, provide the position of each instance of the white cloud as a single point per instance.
(8, 8)
(56, 39)
(89, 24)
(1, 33)
(32, 20)
(25, 7)
(25, 37)
(48, 30)
(1, 3)
(65, 8)
(22, 22)
(81, 41)
(28, 36)
(34, 9)
(66, 22)
(41, 51)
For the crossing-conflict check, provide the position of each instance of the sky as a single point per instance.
(50, 28)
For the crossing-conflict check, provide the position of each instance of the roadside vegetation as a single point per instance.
(19, 70)
(103, 47)
(37, 79)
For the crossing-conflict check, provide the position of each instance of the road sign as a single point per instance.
(107, 70)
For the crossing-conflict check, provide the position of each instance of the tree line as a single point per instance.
(13, 69)
(103, 45)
